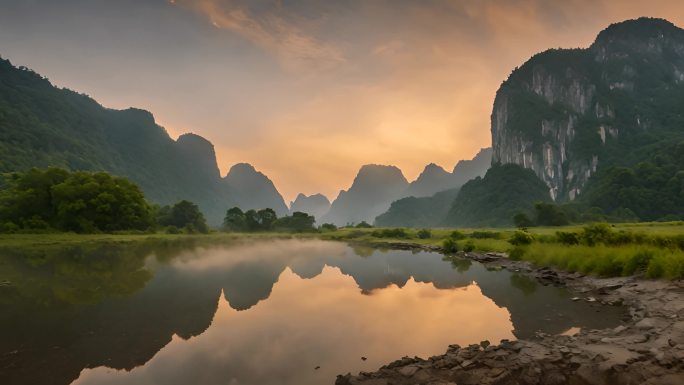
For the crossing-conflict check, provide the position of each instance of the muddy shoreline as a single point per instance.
(647, 348)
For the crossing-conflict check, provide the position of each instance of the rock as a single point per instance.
(645, 324)
(619, 329)
(408, 371)
(363, 358)
(576, 299)
(484, 344)
(590, 299)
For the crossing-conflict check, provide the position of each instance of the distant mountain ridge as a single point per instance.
(316, 205)
(42, 125)
(375, 188)
(254, 190)
(434, 178)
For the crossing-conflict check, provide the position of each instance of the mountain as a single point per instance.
(316, 205)
(466, 170)
(493, 200)
(428, 199)
(42, 125)
(434, 178)
(371, 193)
(253, 190)
(418, 212)
(572, 114)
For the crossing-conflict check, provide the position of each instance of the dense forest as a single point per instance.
(493, 200)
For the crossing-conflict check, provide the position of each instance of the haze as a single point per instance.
(307, 91)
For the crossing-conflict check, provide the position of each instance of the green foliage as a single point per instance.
(568, 238)
(363, 225)
(398, 233)
(457, 235)
(328, 227)
(418, 212)
(493, 200)
(469, 246)
(521, 238)
(485, 235)
(648, 191)
(450, 246)
(298, 222)
(42, 126)
(522, 221)
(235, 220)
(78, 201)
(184, 215)
(424, 234)
(549, 214)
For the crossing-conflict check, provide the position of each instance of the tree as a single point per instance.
(235, 220)
(521, 221)
(77, 201)
(549, 214)
(186, 215)
(298, 222)
(266, 218)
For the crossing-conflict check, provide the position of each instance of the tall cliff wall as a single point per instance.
(565, 113)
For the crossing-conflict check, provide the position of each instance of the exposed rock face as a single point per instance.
(566, 112)
(371, 193)
(316, 205)
(254, 190)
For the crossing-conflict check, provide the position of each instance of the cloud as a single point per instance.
(270, 26)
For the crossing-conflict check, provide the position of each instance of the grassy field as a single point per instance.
(653, 249)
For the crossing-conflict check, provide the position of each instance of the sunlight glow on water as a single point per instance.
(260, 313)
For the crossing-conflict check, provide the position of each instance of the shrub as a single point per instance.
(424, 234)
(521, 221)
(457, 235)
(469, 246)
(516, 254)
(450, 245)
(567, 238)
(485, 235)
(520, 238)
(597, 233)
(363, 225)
(328, 227)
(390, 233)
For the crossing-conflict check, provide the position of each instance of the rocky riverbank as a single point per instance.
(648, 348)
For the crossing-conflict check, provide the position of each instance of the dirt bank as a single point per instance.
(646, 349)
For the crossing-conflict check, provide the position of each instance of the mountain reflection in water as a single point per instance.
(261, 313)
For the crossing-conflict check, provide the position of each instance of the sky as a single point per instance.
(307, 91)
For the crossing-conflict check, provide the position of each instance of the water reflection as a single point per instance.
(261, 313)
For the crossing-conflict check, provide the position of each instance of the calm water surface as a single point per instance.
(269, 312)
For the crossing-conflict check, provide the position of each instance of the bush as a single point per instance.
(521, 221)
(567, 238)
(363, 225)
(469, 246)
(457, 235)
(520, 238)
(424, 234)
(516, 254)
(597, 233)
(390, 233)
(328, 227)
(485, 235)
(450, 246)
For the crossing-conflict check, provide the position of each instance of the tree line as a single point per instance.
(54, 199)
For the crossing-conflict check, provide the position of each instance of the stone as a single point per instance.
(645, 324)
(408, 371)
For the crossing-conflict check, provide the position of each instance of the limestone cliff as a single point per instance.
(566, 113)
